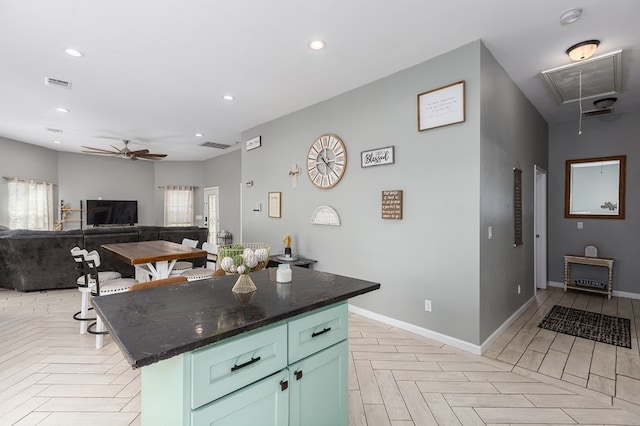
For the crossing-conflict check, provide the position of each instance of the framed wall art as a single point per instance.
(441, 107)
(377, 157)
(275, 204)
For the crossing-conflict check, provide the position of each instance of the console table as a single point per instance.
(592, 261)
(303, 262)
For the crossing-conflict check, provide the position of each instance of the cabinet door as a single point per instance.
(263, 403)
(318, 388)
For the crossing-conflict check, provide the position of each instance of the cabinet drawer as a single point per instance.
(220, 369)
(316, 331)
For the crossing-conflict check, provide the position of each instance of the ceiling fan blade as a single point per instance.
(99, 150)
(139, 152)
(113, 154)
(151, 156)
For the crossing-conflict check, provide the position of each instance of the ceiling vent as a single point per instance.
(215, 145)
(601, 76)
(597, 112)
(55, 82)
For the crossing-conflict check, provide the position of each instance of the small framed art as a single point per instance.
(275, 204)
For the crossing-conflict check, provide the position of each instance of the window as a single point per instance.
(30, 204)
(178, 205)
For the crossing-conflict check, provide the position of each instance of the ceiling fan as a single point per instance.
(125, 152)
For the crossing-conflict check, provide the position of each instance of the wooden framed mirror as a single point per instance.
(594, 188)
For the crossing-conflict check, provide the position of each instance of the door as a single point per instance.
(211, 212)
(540, 229)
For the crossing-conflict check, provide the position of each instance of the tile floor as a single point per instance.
(51, 375)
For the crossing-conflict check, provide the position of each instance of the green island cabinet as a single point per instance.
(292, 372)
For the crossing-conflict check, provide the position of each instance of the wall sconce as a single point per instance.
(583, 50)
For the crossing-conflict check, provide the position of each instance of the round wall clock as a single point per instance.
(326, 161)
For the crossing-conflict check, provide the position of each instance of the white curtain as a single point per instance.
(30, 204)
(178, 205)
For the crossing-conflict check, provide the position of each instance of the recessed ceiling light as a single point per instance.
(228, 97)
(199, 135)
(317, 45)
(57, 142)
(73, 52)
(570, 16)
(61, 109)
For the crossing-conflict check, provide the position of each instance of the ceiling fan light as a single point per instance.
(604, 103)
(583, 50)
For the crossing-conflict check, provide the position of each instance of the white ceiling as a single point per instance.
(154, 71)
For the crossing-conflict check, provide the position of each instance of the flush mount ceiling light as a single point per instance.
(570, 16)
(228, 97)
(199, 135)
(57, 142)
(583, 50)
(317, 45)
(61, 109)
(73, 52)
(604, 103)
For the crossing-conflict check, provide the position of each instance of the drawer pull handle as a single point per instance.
(284, 384)
(251, 361)
(326, 330)
(298, 374)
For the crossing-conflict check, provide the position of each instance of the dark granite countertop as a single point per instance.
(158, 323)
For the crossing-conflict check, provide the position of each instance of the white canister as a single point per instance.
(284, 273)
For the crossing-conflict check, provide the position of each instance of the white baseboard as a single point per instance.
(443, 338)
(613, 293)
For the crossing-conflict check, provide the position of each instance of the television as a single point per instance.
(111, 212)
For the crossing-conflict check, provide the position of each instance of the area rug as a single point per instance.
(589, 325)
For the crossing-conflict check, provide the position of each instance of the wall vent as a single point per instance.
(215, 145)
(54, 130)
(597, 112)
(56, 82)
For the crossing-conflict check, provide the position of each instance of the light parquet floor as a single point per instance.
(52, 375)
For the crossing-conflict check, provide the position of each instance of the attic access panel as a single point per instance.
(601, 76)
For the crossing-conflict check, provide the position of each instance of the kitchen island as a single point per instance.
(209, 358)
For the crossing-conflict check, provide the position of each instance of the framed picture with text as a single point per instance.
(441, 107)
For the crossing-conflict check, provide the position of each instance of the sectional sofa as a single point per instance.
(41, 260)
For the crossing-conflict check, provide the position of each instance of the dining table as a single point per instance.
(153, 260)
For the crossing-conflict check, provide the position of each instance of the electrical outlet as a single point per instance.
(519, 289)
(427, 305)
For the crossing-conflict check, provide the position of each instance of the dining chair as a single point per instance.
(158, 283)
(183, 265)
(212, 254)
(85, 283)
(196, 274)
(91, 262)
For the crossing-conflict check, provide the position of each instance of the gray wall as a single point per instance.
(616, 238)
(512, 132)
(225, 172)
(24, 161)
(433, 252)
(81, 177)
(88, 177)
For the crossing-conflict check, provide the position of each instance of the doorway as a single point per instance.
(540, 229)
(212, 212)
